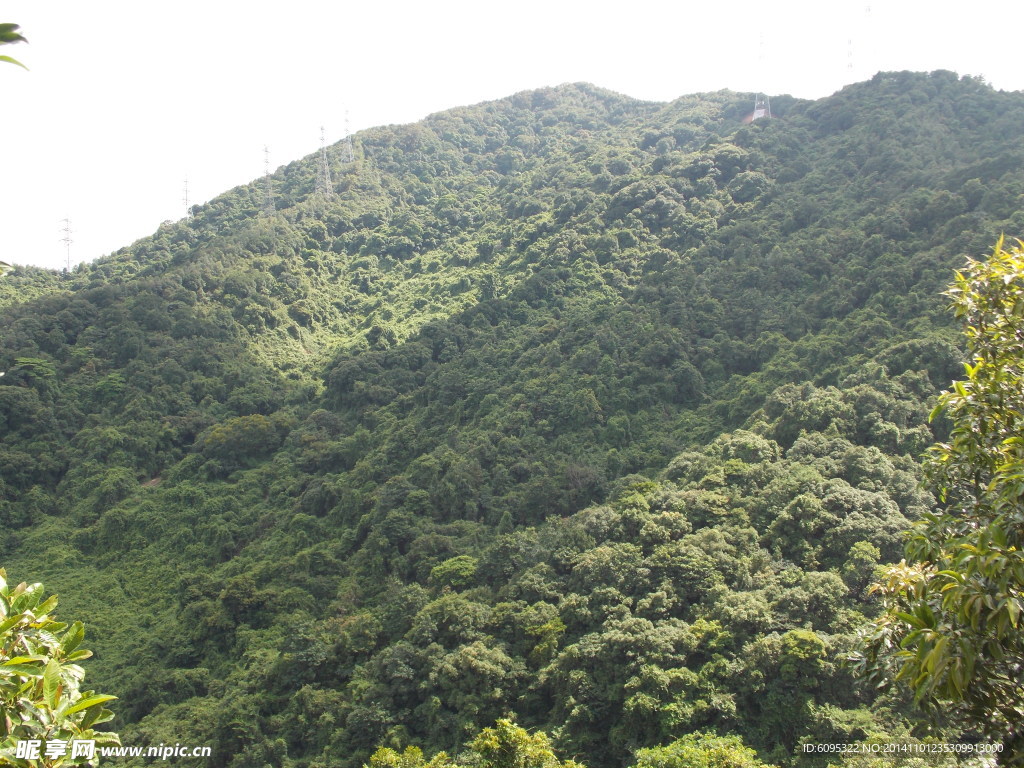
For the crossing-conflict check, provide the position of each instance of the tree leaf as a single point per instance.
(13, 620)
(73, 638)
(51, 683)
(46, 606)
(23, 660)
(92, 701)
(9, 60)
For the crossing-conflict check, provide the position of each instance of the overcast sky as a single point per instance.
(125, 100)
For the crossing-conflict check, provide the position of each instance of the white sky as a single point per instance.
(124, 100)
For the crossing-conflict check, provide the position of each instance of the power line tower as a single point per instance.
(323, 178)
(347, 155)
(185, 201)
(268, 190)
(66, 239)
(762, 107)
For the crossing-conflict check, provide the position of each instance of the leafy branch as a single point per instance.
(40, 681)
(8, 36)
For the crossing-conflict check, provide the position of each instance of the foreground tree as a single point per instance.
(951, 626)
(506, 745)
(700, 750)
(41, 696)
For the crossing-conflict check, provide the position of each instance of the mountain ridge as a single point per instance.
(522, 352)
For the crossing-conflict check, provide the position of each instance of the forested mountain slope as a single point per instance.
(593, 411)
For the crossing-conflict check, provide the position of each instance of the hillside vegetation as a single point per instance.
(589, 411)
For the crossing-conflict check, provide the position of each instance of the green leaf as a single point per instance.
(46, 606)
(92, 701)
(105, 716)
(1013, 609)
(51, 683)
(107, 738)
(73, 638)
(23, 670)
(92, 716)
(9, 60)
(910, 619)
(12, 621)
(9, 33)
(23, 660)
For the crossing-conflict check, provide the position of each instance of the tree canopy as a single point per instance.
(951, 628)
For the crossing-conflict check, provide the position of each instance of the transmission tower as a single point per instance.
(186, 203)
(762, 107)
(66, 239)
(347, 155)
(323, 177)
(268, 189)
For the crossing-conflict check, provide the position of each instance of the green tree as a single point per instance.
(411, 757)
(41, 696)
(951, 625)
(506, 745)
(700, 750)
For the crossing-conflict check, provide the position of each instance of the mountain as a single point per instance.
(594, 411)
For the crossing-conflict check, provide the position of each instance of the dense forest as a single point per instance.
(570, 410)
